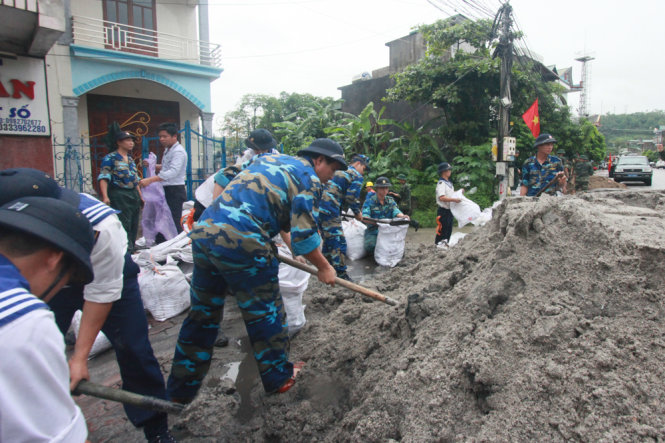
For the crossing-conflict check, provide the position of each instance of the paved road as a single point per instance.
(658, 181)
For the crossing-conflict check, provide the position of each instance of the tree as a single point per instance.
(460, 76)
(294, 119)
(366, 133)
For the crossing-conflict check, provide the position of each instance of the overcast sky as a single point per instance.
(316, 46)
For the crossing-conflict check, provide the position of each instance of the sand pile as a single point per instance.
(546, 324)
(599, 182)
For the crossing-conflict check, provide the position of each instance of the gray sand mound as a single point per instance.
(545, 325)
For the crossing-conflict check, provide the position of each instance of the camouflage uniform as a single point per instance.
(342, 192)
(536, 176)
(583, 170)
(372, 208)
(123, 179)
(232, 251)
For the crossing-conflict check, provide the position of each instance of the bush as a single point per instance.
(423, 201)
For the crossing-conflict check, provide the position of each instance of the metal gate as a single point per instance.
(74, 161)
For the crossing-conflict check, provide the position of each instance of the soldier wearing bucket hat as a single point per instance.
(342, 192)
(379, 205)
(119, 185)
(233, 251)
(45, 243)
(540, 169)
(259, 142)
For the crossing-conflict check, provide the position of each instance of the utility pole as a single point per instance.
(505, 147)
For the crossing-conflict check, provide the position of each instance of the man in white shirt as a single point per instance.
(44, 244)
(171, 172)
(444, 196)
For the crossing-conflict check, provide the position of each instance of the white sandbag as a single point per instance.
(158, 253)
(354, 232)
(101, 343)
(455, 238)
(483, 218)
(292, 285)
(466, 211)
(390, 244)
(164, 290)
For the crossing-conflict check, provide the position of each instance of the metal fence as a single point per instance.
(77, 162)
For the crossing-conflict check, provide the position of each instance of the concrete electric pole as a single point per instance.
(505, 144)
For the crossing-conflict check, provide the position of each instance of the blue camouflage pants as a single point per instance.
(334, 243)
(257, 293)
(371, 234)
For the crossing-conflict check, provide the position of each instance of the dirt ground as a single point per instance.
(546, 324)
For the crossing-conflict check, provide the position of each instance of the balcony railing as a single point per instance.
(119, 37)
(28, 5)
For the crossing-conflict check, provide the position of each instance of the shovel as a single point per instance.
(548, 185)
(388, 221)
(142, 401)
(347, 284)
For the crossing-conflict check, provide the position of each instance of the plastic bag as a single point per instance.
(101, 343)
(390, 244)
(354, 232)
(164, 290)
(466, 211)
(292, 285)
(156, 216)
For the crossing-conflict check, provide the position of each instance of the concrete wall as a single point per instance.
(357, 95)
(177, 19)
(405, 51)
(59, 81)
(87, 8)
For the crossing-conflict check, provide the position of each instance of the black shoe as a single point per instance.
(345, 276)
(164, 437)
(222, 340)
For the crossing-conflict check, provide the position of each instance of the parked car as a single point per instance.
(660, 164)
(633, 168)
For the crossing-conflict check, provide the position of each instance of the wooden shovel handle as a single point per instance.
(347, 284)
(126, 397)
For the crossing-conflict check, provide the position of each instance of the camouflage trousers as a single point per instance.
(257, 293)
(581, 184)
(371, 234)
(334, 243)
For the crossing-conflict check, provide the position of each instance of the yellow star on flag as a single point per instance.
(535, 120)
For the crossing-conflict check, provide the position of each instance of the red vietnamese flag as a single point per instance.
(532, 119)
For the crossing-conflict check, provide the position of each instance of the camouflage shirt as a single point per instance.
(342, 192)
(276, 192)
(536, 176)
(118, 172)
(583, 170)
(372, 208)
(224, 176)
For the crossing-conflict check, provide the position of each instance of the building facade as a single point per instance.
(28, 31)
(138, 63)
